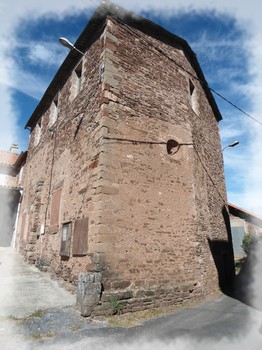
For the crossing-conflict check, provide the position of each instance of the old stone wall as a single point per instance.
(128, 182)
(161, 222)
(65, 159)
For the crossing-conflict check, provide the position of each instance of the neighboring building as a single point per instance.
(11, 170)
(242, 222)
(124, 179)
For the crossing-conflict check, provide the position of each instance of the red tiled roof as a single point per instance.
(8, 158)
(4, 187)
(244, 214)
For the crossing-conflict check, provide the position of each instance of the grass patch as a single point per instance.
(136, 318)
(40, 336)
(132, 319)
(37, 313)
(14, 318)
(18, 320)
(74, 328)
(116, 306)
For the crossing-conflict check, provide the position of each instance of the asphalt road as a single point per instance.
(223, 323)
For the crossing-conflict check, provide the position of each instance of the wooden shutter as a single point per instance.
(24, 227)
(55, 208)
(65, 240)
(80, 237)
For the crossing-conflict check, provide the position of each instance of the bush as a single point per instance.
(116, 306)
(246, 243)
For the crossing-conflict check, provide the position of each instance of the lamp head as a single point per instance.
(233, 144)
(65, 42)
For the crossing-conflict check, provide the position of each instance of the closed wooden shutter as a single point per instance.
(24, 226)
(80, 237)
(65, 240)
(55, 208)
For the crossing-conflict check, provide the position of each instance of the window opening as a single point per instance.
(38, 132)
(65, 240)
(172, 146)
(54, 110)
(193, 96)
(78, 73)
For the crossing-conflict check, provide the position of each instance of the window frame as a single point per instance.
(55, 210)
(65, 245)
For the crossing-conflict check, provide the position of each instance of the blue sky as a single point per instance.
(224, 36)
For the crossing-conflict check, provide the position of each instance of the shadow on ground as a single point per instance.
(247, 286)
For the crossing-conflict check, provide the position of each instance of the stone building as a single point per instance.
(242, 223)
(11, 174)
(124, 180)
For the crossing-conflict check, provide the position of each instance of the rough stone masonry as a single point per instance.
(124, 189)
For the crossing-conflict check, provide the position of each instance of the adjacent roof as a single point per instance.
(8, 158)
(245, 215)
(10, 163)
(9, 190)
(89, 35)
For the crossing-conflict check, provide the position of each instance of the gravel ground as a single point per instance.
(43, 327)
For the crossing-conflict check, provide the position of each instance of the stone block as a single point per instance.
(89, 291)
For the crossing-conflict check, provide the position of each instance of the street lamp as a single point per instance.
(233, 144)
(66, 43)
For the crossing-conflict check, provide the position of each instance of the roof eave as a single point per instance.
(86, 38)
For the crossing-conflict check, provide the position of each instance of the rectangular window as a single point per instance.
(55, 209)
(20, 176)
(193, 97)
(101, 73)
(37, 133)
(65, 240)
(80, 237)
(24, 227)
(77, 81)
(78, 75)
(54, 110)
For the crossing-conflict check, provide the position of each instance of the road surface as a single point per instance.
(36, 313)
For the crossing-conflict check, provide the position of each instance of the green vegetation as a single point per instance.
(239, 264)
(37, 313)
(39, 336)
(15, 318)
(116, 306)
(136, 318)
(74, 328)
(246, 243)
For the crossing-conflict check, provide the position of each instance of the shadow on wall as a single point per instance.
(9, 200)
(247, 285)
(225, 266)
(222, 252)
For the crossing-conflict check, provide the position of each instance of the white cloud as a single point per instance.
(8, 122)
(230, 131)
(44, 53)
(34, 86)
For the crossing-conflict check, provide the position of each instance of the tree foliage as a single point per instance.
(246, 242)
